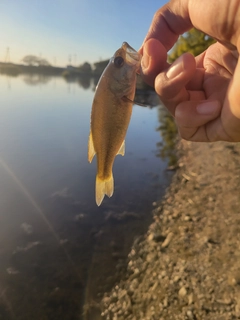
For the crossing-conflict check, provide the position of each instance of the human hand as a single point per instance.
(203, 92)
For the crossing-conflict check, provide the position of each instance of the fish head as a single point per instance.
(123, 67)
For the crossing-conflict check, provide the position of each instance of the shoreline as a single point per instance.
(187, 265)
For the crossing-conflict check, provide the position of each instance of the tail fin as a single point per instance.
(103, 187)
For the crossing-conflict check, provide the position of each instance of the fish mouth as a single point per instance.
(132, 56)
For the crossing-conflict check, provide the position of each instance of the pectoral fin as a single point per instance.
(121, 151)
(126, 99)
(91, 150)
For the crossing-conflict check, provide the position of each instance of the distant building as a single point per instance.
(71, 68)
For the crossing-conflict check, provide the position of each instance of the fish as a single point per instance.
(111, 114)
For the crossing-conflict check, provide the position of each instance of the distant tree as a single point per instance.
(43, 62)
(32, 60)
(85, 68)
(193, 41)
(100, 66)
(168, 131)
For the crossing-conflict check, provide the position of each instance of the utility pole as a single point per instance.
(75, 60)
(69, 59)
(7, 56)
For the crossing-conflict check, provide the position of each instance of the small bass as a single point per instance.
(111, 113)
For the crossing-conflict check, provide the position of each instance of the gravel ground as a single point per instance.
(187, 266)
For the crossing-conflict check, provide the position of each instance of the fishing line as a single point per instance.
(29, 197)
(6, 301)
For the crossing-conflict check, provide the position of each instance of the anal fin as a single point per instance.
(91, 150)
(121, 151)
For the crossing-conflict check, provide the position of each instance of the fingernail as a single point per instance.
(175, 69)
(208, 107)
(145, 61)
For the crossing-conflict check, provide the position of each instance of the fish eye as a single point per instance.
(118, 61)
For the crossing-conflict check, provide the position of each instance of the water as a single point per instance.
(58, 250)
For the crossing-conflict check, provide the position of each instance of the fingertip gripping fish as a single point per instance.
(111, 113)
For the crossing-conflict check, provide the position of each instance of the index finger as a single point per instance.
(169, 22)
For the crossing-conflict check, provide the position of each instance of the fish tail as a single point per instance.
(103, 186)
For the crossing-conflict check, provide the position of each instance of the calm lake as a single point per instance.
(59, 252)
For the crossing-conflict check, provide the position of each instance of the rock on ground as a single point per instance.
(188, 265)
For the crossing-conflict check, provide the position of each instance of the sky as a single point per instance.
(72, 31)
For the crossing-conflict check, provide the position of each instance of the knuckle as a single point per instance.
(165, 88)
(186, 133)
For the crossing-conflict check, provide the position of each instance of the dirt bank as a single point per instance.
(188, 265)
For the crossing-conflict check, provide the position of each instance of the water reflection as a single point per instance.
(59, 252)
(84, 82)
(35, 79)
